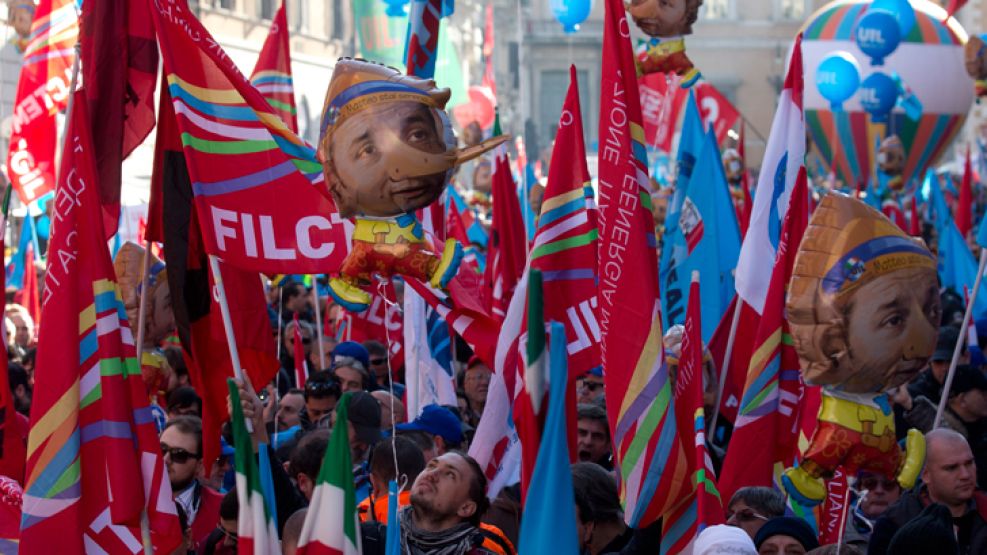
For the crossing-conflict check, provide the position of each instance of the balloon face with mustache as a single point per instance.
(863, 308)
(388, 149)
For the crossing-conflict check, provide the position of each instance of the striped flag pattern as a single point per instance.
(257, 531)
(775, 402)
(272, 73)
(639, 395)
(703, 507)
(93, 459)
(331, 525)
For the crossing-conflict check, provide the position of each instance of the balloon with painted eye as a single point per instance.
(853, 261)
(878, 95)
(570, 13)
(388, 150)
(838, 78)
(878, 35)
(930, 63)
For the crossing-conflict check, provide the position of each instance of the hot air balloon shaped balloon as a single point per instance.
(929, 59)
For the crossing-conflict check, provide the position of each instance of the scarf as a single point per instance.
(457, 540)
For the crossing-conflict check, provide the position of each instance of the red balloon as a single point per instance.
(480, 108)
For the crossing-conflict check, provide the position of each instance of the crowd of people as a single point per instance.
(443, 497)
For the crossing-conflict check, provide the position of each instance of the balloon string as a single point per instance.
(382, 292)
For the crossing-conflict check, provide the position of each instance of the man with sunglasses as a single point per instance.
(589, 388)
(379, 367)
(181, 445)
(321, 395)
(881, 493)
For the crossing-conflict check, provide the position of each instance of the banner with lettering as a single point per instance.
(42, 92)
(832, 520)
(662, 101)
(256, 184)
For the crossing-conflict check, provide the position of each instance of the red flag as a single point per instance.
(639, 408)
(661, 101)
(954, 6)
(120, 65)
(383, 322)
(964, 207)
(272, 73)
(772, 396)
(507, 249)
(740, 356)
(301, 364)
(717, 112)
(456, 228)
(42, 92)
(703, 507)
(489, 80)
(94, 463)
(27, 295)
(204, 346)
(243, 162)
(832, 521)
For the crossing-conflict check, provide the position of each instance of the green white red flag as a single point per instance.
(331, 524)
(256, 530)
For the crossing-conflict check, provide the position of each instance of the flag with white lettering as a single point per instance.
(93, 461)
(244, 161)
(42, 92)
(638, 389)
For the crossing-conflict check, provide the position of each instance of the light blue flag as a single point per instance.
(690, 145)
(18, 262)
(393, 539)
(267, 481)
(707, 239)
(524, 195)
(957, 267)
(548, 524)
(982, 233)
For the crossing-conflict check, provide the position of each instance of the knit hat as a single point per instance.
(787, 526)
(723, 540)
(930, 532)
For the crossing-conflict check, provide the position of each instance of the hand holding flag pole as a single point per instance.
(224, 308)
(948, 384)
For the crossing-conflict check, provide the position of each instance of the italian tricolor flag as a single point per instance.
(257, 531)
(331, 523)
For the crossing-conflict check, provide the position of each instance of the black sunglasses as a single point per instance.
(592, 386)
(177, 454)
(321, 388)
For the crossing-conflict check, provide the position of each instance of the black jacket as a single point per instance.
(910, 505)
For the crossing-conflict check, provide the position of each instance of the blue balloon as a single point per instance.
(571, 13)
(396, 8)
(878, 95)
(878, 35)
(902, 10)
(837, 78)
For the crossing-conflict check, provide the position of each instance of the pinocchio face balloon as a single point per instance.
(863, 302)
(664, 18)
(387, 147)
(891, 156)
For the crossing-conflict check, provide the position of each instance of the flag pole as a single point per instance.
(224, 309)
(734, 322)
(960, 341)
(142, 308)
(69, 107)
(318, 323)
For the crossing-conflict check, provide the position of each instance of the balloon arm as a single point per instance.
(961, 341)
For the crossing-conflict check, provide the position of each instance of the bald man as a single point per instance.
(950, 479)
(387, 416)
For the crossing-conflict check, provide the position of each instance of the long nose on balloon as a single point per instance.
(920, 337)
(409, 162)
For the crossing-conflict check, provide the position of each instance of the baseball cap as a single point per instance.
(353, 350)
(437, 420)
(364, 415)
(948, 336)
(968, 378)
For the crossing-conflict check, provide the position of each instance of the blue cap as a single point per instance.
(437, 420)
(354, 350)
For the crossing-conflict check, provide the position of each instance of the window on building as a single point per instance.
(717, 9)
(552, 89)
(297, 15)
(337, 15)
(267, 9)
(791, 9)
(225, 4)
